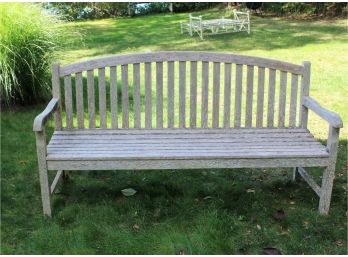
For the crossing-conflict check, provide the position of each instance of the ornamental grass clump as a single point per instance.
(29, 37)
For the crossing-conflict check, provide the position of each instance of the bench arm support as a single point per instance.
(41, 119)
(332, 118)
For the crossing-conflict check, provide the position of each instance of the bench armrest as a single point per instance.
(332, 118)
(40, 120)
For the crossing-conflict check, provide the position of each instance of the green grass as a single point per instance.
(198, 212)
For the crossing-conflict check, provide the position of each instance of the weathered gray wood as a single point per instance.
(260, 97)
(102, 98)
(329, 173)
(159, 94)
(193, 94)
(179, 56)
(113, 97)
(293, 100)
(271, 95)
(205, 92)
(216, 94)
(79, 101)
(331, 117)
(56, 180)
(136, 95)
(148, 96)
(42, 118)
(57, 94)
(311, 182)
(170, 94)
(305, 84)
(249, 96)
(282, 99)
(238, 96)
(44, 184)
(125, 99)
(68, 102)
(91, 98)
(182, 94)
(227, 96)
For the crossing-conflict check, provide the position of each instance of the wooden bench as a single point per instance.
(183, 110)
(240, 22)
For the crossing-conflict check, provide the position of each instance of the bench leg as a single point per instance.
(294, 174)
(329, 173)
(44, 183)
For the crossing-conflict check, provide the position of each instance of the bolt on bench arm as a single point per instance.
(331, 117)
(41, 119)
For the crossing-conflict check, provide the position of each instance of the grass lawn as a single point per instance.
(192, 212)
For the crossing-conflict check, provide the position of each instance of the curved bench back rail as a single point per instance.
(180, 90)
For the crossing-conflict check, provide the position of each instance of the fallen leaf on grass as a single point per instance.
(258, 227)
(271, 251)
(339, 243)
(128, 192)
(207, 197)
(182, 252)
(136, 226)
(279, 215)
(250, 190)
(292, 203)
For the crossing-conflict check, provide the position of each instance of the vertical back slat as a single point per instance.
(193, 94)
(102, 97)
(113, 97)
(79, 100)
(91, 98)
(293, 100)
(216, 94)
(68, 101)
(56, 94)
(271, 94)
(170, 94)
(205, 88)
(125, 101)
(227, 96)
(148, 96)
(182, 94)
(159, 96)
(136, 96)
(249, 96)
(238, 96)
(305, 82)
(282, 99)
(260, 96)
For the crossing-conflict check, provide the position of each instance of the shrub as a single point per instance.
(28, 39)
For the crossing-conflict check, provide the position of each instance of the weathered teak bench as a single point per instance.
(240, 22)
(199, 112)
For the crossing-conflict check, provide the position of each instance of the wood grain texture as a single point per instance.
(159, 94)
(282, 99)
(227, 96)
(193, 94)
(79, 101)
(271, 96)
(249, 96)
(91, 98)
(205, 92)
(305, 84)
(68, 102)
(136, 95)
(238, 96)
(148, 95)
(125, 97)
(216, 94)
(113, 97)
(293, 100)
(57, 94)
(102, 97)
(41, 119)
(260, 97)
(170, 71)
(182, 94)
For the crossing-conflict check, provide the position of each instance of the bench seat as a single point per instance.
(185, 144)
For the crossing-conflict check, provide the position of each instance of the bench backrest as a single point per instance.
(180, 90)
